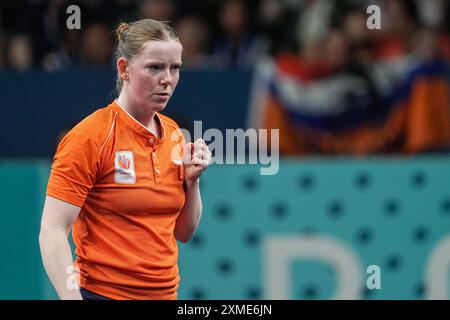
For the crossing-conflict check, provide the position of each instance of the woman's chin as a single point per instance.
(156, 106)
(160, 106)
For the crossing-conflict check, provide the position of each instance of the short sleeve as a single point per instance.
(74, 169)
(178, 150)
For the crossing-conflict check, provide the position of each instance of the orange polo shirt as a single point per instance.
(129, 186)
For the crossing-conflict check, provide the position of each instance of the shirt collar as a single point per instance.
(135, 125)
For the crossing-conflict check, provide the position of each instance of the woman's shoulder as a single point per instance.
(168, 121)
(95, 126)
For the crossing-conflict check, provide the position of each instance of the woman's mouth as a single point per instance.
(163, 95)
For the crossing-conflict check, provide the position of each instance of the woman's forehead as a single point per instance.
(161, 50)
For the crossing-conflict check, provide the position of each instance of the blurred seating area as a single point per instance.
(226, 33)
(349, 90)
(331, 85)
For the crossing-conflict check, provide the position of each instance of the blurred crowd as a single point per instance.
(226, 33)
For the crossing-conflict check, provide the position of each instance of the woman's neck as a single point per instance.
(145, 118)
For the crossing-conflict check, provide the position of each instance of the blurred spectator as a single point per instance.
(157, 9)
(432, 12)
(270, 23)
(434, 15)
(397, 26)
(97, 45)
(20, 53)
(236, 46)
(426, 45)
(275, 21)
(336, 51)
(314, 21)
(67, 55)
(358, 36)
(193, 34)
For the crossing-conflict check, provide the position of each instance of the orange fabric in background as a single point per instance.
(124, 233)
(419, 123)
(428, 120)
(296, 140)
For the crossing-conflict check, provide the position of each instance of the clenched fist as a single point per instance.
(196, 159)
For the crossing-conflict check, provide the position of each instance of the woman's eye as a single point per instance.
(155, 68)
(160, 68)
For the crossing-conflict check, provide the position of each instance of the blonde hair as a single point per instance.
(131, 38)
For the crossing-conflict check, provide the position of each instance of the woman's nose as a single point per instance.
(166, 78)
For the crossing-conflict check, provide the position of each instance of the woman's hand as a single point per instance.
(196, 159)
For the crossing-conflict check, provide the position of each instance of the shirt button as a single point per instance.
(151, 140)
(157, 171)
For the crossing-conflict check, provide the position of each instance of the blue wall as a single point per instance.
(36, 106)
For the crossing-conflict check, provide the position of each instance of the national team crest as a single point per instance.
(124, 162)
(124, 168)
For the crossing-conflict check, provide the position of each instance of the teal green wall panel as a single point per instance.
(21, 196)
(390, 213)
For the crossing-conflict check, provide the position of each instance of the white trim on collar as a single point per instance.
(163, 132)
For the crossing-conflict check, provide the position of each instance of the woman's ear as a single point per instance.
(122, 68)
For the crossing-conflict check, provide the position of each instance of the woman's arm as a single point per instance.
(189, 218)
(57, 219)
(196, 160)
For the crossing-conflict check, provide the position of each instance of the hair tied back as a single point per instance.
(121, 30)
